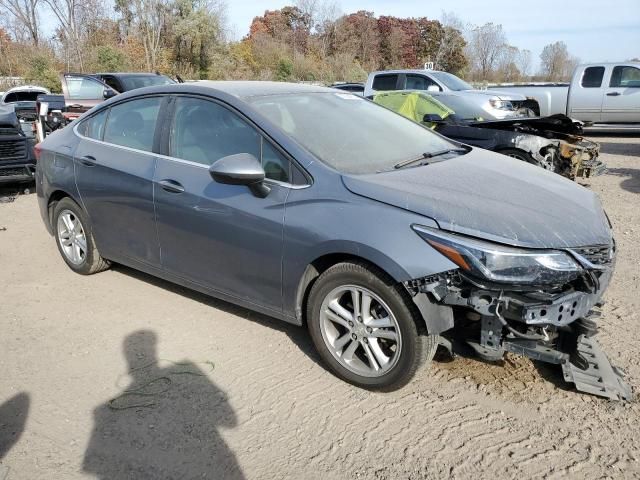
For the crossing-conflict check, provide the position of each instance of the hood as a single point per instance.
(491, 196)
(494, 93)
(554, 123)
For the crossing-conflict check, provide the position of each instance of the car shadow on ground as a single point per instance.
(13, 418)
(298, 335)
(631, 182)
(165, 422)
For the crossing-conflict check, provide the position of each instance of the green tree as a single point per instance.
(42, 72)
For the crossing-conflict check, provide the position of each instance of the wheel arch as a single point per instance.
(54, 197)
(321, 263)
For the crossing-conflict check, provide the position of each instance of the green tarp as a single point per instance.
(413, 105)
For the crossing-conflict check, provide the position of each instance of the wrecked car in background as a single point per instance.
(17, 157)
(395, 238)
(554, 143)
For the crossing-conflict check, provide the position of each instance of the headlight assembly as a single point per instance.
(500, 263)
(501, 104)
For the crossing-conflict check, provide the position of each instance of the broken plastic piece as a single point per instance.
(600, 377)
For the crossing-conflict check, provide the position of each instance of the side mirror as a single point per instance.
(432, 118)
(240, 169)
(108, 93)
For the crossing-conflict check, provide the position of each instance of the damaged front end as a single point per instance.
(556, 143)
(538, 303)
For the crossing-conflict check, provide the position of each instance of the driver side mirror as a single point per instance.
(432, 118)
(108, 93)
(241, 169)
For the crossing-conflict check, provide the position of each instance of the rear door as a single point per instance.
(585, 102)
(114, 164)
(82, 92)
(220, 236)
(621, 101)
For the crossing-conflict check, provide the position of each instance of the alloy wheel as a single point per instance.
(360, 330)
(72, 238)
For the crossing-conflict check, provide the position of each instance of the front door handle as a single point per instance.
(171, 186)
(88, 161)
(613, 94)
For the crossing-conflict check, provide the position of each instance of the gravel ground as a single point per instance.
(204, 389)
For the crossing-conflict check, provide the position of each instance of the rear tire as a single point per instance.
(377, 345)
(72, 231)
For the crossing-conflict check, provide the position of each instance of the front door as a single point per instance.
(621, 101)
(222, 237)
(114, 165)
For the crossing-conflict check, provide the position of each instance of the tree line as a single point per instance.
(311, 40)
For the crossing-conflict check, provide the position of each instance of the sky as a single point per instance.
(594, 30)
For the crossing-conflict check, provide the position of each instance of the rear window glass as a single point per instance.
(140, 81)
(385, 82)
(22, 97)
(592, 77)
(132, 124)
(93, 127)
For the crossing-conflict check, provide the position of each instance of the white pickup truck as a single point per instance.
(603, 93)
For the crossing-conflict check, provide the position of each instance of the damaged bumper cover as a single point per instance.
(553, 323)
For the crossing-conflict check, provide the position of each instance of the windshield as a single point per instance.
(451, 81)
(349, 133)
(463, 108)
(139, 81)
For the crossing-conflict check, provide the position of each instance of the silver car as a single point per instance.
(495, 104)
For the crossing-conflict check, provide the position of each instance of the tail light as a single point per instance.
(37, 150)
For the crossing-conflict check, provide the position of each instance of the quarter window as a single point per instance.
(385, 82)
(592, 77)
(132, 124)
(93, 127)
(276, 167)
(625, 77)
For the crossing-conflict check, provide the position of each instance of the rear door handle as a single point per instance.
(613, 94)
(88, 161)
(171, 186)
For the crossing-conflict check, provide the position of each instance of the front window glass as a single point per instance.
(625, 77)
(349, 133)
(204, 132)
(84, 88)
(420, 82)
(451, 81)
(133, 124)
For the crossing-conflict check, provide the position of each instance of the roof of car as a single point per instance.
(250, 88)
(130, 74)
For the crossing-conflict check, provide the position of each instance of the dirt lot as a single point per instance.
(264, 408)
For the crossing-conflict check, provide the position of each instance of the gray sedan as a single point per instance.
(319, 207)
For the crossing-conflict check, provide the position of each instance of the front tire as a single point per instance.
(75, 240)
(365, 328)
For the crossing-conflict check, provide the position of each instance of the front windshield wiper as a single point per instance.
(427, 155)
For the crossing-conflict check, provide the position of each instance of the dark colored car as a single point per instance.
(385, 241)
(355, 88)
(17, 157)
(554, 143)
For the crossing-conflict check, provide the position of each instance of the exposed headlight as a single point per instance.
(500, 263)
(501, 104)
